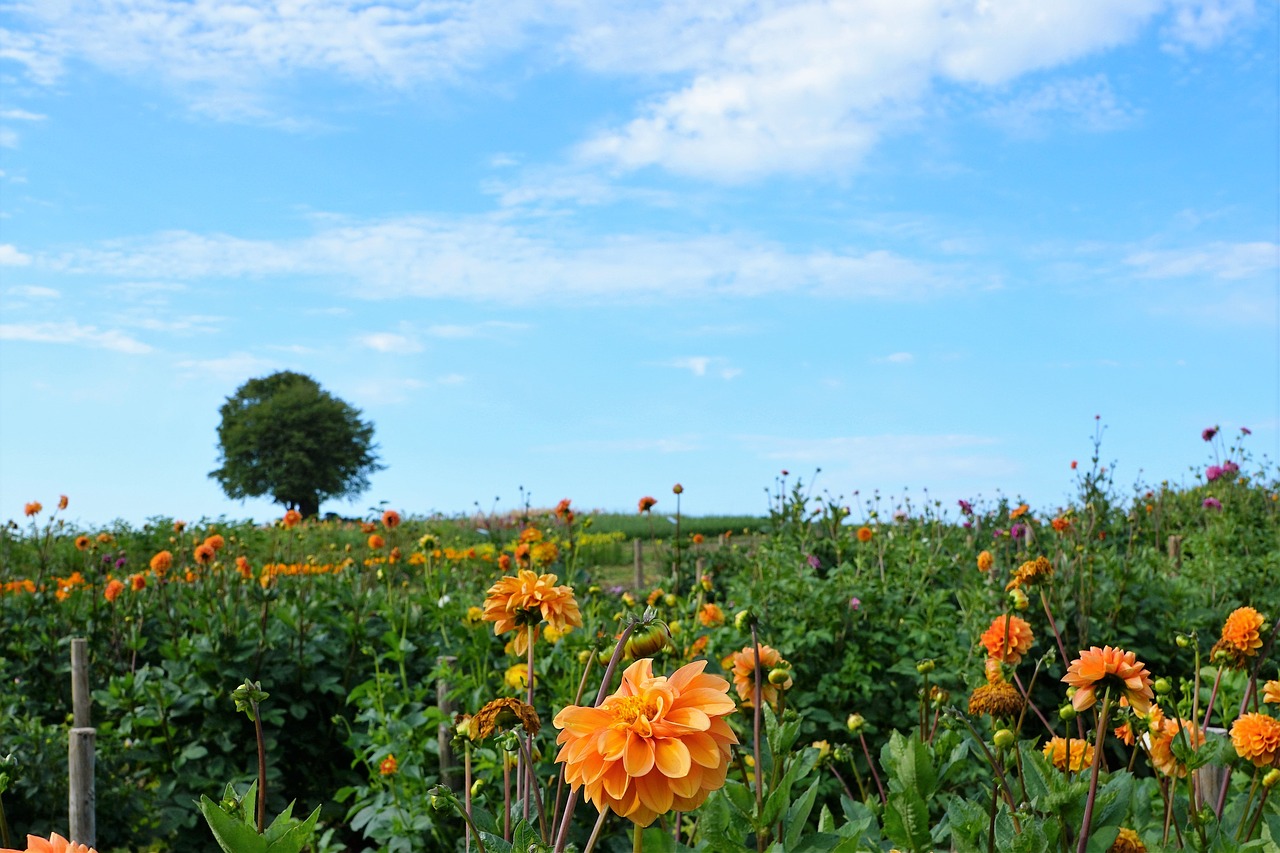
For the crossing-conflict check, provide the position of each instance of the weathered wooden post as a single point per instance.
(444, 733)
(1175, 551)
(639, 559)
(81, 805)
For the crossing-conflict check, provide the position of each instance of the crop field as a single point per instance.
(853, 676)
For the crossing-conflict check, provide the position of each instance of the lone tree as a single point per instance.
(285, 436)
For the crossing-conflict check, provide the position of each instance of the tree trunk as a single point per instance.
(309, 506)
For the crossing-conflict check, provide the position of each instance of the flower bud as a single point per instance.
(743, 620)
(584, 656)
(1067, 712)
(477, 786)
(855, 723)
(670, 600)
(1162, 686)
(648, 642)
(1272, 778)
(1182, 640)
(677, 488)
(925, 666)
(1019, 599)
(1003, 739)
(779, 675)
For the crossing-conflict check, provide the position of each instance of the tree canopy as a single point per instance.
(283, 435)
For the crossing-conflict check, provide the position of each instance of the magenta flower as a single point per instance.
(855, 603)
(1018, 531)
(1230, 467)
(1246, 431)
(814, 562)
(1212, 473)
(1209, 433)
(966, 507)
(1212, 503)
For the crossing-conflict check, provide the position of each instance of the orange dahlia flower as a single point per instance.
(1008, 639)
(1099, 666)
(1030, 572)
(1163, 733)
(54, 844)
(655, 745)
(1127, 841)
(527, 599)
(216, 542)
(33, 508)
(391, 519)
(1257, 738)
(985, 561)
(744, 673)
(1271, 692)
(1075, 754)
(137, 582)
(163, 561)
(711, 615)
(82, 543)
(62, 502)
(646, 503)
(389, 766)
(376, 542)
(113, 589)
(1241, 631)
(865, 534)
(292, 518)
(205, 553)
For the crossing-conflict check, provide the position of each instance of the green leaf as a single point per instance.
(909, 765)
(906, 820)
(798, 815)
(232, 834)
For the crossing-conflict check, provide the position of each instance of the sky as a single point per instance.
(592, 249)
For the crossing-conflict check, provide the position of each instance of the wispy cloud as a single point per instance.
(895, 358)
(486, 329)
(491, 259)
(1086, 103)
(678, 444)
(1213, 260)
(75, 334)
(235, 368)
(704, 365)
(389, 342)
(30, 291)
(11, 257)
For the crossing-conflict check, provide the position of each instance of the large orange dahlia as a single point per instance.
(1163, 733)
(53, 844)
(1271, 692)
(1098, 666)
(1257, 738)
(1008, 639)
(1241, 631)
(528, 598)
(744, 673)
(655, 745)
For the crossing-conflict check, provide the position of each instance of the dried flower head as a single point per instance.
(1031, 572)
(502, 714)
(1127, 841)
(999, 700)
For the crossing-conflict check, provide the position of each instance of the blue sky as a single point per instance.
(595, 249)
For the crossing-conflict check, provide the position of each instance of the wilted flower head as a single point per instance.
(33, 508)
(504, 713)
(1031, 572)
(655, 745)
(1127, 841)
(965, 507)
(1208, 433)
(647, 503)
(62, 502)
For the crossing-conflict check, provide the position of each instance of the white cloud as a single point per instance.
(702, 365)
(681, 444)
(21, 115)
(389, 342)
(8, 138)
(11, 257)
(814, 86)
(490, 259)
(236, 368)
(1214, 260)
(71, 332)
(896, 358)
(1087, 102)
(487, 329)
(385, 391)
(29, 291)
(1202, 24)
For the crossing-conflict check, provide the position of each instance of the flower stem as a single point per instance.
(1093, 775)
(756, 700)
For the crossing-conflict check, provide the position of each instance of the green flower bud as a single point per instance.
(1182, 640)
(670, 600)
(855, 723)
(1162, 686)
(1067, 713)
(1003, 739)
(779, 675)
(1272, 778)
(925, 666)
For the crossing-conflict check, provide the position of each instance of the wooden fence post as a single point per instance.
(81, 805)
(1175, 551)
(444, 733)
(639, 558)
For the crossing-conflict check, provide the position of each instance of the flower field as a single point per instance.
(852, 675)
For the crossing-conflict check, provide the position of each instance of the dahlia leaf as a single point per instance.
(906, 820)
(798, 816)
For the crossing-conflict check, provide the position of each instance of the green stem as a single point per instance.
(262, 771)
(1093, 775)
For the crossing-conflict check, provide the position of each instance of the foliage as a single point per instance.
(283, 435)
